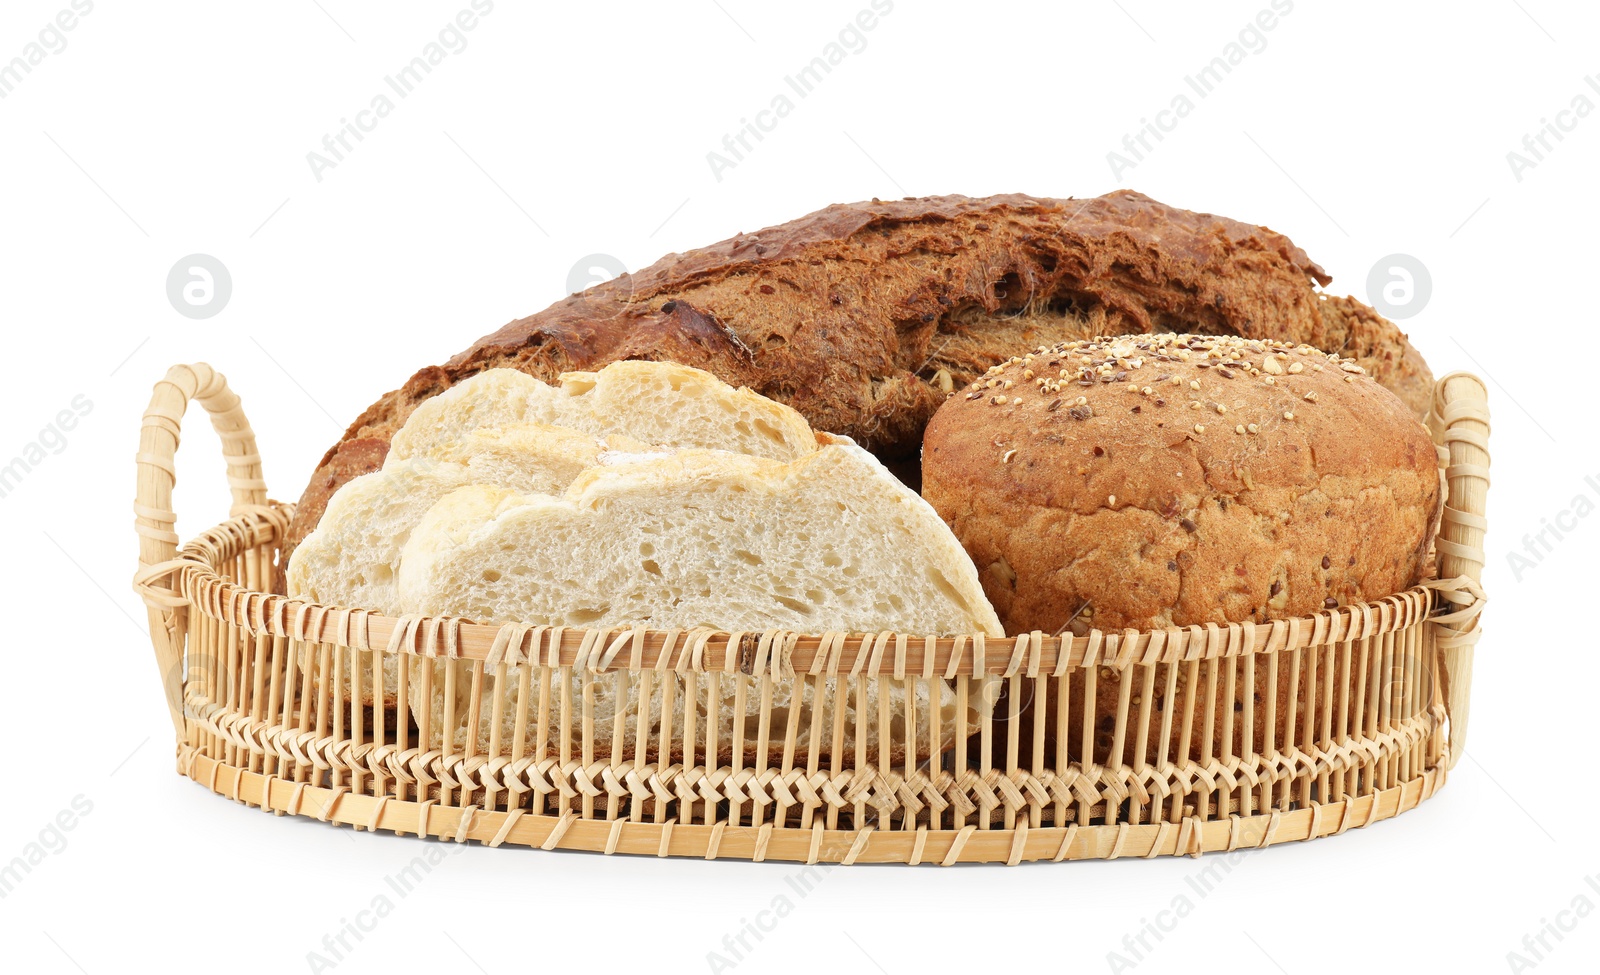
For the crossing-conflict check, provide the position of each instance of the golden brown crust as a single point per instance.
(1151, 481)
(862, 316)
(1353, 330)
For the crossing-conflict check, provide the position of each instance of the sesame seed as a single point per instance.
(1016, 401)
(1288, 415)
(1007, 384)
(974, 395)
(1111, 500)
(1194, 384)
(1311, 396)
(1221, 408)
(1253, 428)
(1081, 400)
(996, 400)
(1297, 367)
(1270, 381)
(1199, 428)
(1027, 374)
(1009, 454)
(1145, 390)
(1239, 428)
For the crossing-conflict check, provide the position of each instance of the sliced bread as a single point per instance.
(353, 556)
(653, 402)
(508, 429)
(828, 542)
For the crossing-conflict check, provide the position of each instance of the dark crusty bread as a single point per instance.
(863, 316)
(1165, 480)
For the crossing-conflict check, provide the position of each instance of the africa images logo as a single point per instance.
(52, 439)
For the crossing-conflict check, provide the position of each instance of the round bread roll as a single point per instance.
(1149, 481)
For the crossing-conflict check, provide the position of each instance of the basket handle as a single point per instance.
(1460, 424)
(153, 515)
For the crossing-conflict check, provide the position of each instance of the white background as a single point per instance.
(1361, 130)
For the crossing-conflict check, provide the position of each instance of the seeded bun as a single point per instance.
(1165, 480)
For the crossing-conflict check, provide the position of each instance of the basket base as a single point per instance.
(816, 845)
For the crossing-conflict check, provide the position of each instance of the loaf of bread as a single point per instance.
(828, 542)
(1165, 480)
(864, 316)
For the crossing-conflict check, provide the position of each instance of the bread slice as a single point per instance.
(653, 402)
(828, 542)
(353, 556)
(508, 429)
(546, 458)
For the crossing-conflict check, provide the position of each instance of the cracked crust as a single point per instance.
(863, 316)
(1083, 499)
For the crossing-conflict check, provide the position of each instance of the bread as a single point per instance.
(863, 316)
(353, 557)
(1153, 481)
(828, 542)
(533, 453)
(651, 402)
(478, 433)
(701, 538)
(455, 442)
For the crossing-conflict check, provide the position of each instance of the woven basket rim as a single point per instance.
(776, 652)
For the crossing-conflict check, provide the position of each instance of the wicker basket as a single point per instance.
(1100, 746)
